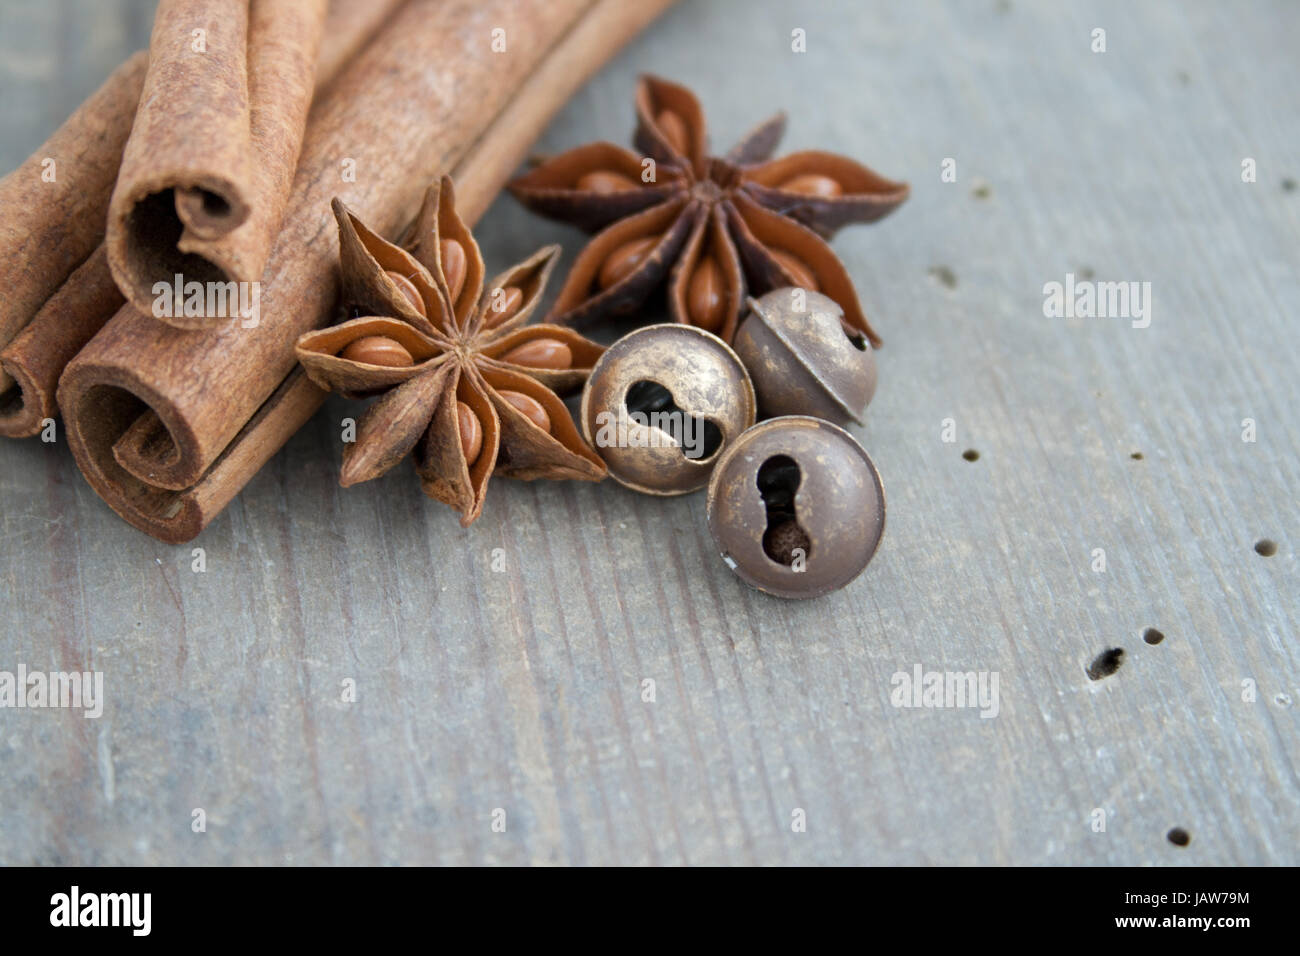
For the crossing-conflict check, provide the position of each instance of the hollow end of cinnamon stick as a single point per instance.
(97, 418)
(146, 449)
(209, 214)
(150, 253)
(23, 406)
(129, 429)
(207, 169)
(31, 364)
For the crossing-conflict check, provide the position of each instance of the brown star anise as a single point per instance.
(464, 383)
(718, 228)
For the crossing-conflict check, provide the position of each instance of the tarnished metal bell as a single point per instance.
(803, 359)
(661, 405)
(796, 507)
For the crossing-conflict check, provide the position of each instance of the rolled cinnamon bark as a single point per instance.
(36, 358)
(31, 364)
(216, 407)
(206, 171)
(349, 27)
(55, 203)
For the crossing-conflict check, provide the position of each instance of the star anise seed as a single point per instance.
(462, 382)
(715, 229)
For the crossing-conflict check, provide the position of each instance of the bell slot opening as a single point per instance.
(856, 338)
(653, 406)
(784, 540)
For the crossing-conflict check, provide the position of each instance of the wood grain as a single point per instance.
(521, 688)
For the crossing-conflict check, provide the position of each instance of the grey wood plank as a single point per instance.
(520, 689)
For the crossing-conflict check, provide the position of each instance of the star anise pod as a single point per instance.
(463, 382)
(717, 228)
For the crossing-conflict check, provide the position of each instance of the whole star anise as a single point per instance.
(464, 383)
(718, 228)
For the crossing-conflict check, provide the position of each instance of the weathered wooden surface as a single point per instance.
(521, 689)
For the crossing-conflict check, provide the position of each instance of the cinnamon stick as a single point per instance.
(349, 27)
(207, 168)
(31, 364)
(400, 122)
(37, 357)
(55, 203)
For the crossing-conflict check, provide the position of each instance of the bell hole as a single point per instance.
(1152, 636)
(1266, 547)
(970, 454)
(858, 340)
(653, 406)
(778, 480)
(1105, 663)
(1179, 837)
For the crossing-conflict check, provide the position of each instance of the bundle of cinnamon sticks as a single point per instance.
(208, 165)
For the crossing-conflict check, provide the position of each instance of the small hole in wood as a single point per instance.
(1152, 636)
(1136, 456)
(944, 276)
(1105, 663)
(970, 454)
(1266, 547)
(1179, 837)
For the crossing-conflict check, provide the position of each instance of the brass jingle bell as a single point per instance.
(803, 359)
(661, 405)
(796, 507)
